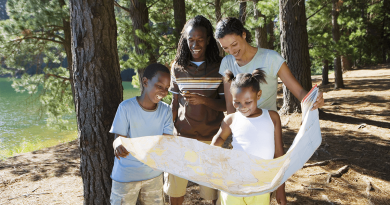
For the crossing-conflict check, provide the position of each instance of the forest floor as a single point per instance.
(355, 126)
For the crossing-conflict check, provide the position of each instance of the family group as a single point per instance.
(204, 86)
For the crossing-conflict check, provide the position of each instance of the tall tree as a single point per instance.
(38, 35)
(261, 29)
(179, 12)
(338, 73)
(98, 92)
(294, 47)
(242, 12)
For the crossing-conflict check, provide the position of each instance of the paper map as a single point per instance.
(234, 172)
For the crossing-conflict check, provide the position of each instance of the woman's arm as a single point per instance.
(293, 85)
(197, 99)
(174, 106)
(228, 98)
(279, 151)
(223, 132)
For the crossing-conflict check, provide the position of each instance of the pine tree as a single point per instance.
(98, 92)
(37, 34)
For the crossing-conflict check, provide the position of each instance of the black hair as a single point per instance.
(152, 69)
(183, 54)
(246, 79)
(231, 25)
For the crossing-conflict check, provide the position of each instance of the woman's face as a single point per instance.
(234, 44)
(197, 42)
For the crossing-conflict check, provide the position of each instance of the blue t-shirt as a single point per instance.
(133, 121)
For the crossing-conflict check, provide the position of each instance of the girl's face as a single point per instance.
(234, 44)
(245, 100)
(197, 42)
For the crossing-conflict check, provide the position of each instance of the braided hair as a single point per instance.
(183, 54)
(246, 79)
(231, 25)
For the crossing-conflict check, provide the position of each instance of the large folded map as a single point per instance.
(234, 172)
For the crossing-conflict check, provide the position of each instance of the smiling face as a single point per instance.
(245, 100)
(156, 88)
(234, 44)
(197, 41)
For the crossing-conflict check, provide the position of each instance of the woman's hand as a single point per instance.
(319, 102)
(120, 151)
(194, 98)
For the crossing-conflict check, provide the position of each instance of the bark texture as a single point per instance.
(294, 47)
(242, 13)
(338, 74)
(179, 13)
(139, 14)
(98, 92)
(325, 71)
(218, 17)
(260, 31)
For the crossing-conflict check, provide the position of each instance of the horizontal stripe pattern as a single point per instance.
(198, 83)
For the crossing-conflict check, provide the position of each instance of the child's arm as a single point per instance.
(223, 132)
(279, 151)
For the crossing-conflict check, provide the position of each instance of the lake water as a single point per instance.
(21, 127)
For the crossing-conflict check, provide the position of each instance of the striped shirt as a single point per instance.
(197, 121)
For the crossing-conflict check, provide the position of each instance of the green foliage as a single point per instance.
(33, 36)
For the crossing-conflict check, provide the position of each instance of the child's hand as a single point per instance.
(281, 195)
(120, 151)
(319, 101)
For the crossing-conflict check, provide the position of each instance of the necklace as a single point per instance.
(147, 110)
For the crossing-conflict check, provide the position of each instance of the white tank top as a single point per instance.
(254, 136)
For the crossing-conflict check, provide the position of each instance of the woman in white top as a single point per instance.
(244, 58)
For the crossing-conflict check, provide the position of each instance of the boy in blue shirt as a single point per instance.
(140, 116)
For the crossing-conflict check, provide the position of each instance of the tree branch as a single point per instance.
(152, 4)
(56, 76)
(117, 5)
(326, 3)
(38, 38)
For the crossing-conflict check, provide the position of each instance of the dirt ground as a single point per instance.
(355, 125)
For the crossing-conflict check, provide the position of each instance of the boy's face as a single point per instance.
(157, 88)
(245, 100)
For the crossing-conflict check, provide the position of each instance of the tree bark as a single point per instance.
(179, 13)
(325, 71)
(270, 31)
(139, 14)
(67, 46)
(242, 13)
(98, 92)
(295, 49)
(260, 31)
(338, 74)
(345, 63)
(218, 17)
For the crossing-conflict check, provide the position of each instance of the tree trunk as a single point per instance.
(295, 49)
(260, 31)
(218, 17)
(139, 14)
(325, 71)
(67, 46)
(179, 13)
(242, 13)
(345, 63)
(338, 74)
(270, 31)
(98, 92)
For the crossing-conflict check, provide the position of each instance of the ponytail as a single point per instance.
(229, 76)
(246, 79)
